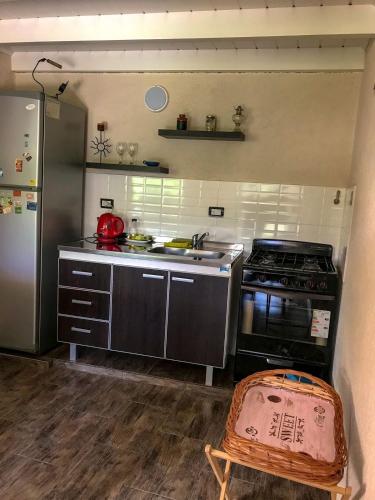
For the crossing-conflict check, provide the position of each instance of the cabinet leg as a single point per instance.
(209, 375)
(73, 352)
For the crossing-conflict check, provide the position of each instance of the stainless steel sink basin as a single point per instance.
(183, 252)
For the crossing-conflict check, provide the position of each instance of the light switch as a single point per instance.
(216, 211)
(106, 203)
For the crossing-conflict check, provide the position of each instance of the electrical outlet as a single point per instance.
(106, 203)
(216, 211)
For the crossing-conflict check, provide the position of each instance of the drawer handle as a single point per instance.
(153, 276)
(82, 273)
(280, 362)
(82, 302)
(80, 330)
(183, 280)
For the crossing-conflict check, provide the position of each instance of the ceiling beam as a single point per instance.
(346, 21)
(329, 59)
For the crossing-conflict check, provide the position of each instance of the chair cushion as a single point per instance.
(288, 420)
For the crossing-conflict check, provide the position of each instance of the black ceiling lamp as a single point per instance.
(53, 63)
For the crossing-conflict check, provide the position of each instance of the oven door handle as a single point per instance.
(288, 294)
(286, 363)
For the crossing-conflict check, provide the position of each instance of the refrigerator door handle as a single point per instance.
(82, 273)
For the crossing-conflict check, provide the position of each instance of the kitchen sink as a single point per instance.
(184, 252)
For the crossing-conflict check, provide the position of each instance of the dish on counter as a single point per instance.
(139, 239)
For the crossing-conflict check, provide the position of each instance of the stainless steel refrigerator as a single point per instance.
(42, 144)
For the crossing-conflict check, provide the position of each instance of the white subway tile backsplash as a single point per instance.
(228, 190)
(191, 188)
(171, 201)
(288, 228)
(308, 233)
(172, 183)
(249, 186)
(171, 191)
(270, 188)
(248, 197)
(197, 211)
(288, 216)
(153, 181)
(290, 189)
(151, 217)
(117, 190)
(290, 199)
(269, 199)
(179, 207)
(170, 209)
(153, 190)
(153, 199)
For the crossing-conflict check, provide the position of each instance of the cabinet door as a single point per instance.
(139, 310)
(197, 318)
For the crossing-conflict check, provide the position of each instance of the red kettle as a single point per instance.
(109, 228)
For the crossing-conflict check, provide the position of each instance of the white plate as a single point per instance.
(138, 242)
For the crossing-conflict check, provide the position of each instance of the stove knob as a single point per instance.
(310, 284)
(322, 285)
(284, 281)
(262, 278)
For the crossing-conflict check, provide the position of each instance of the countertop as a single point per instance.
(138, 256)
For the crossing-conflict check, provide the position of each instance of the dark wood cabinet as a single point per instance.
(197, 318)
(139, 310)
(167, 314)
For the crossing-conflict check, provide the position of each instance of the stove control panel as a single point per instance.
(289, 282)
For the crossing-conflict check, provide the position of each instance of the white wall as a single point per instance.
(354, 368)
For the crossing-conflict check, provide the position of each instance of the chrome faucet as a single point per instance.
(197, 241)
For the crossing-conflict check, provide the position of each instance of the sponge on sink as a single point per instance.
(179, 243)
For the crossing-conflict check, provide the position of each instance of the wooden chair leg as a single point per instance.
(224, 486)
(333, 495)
(220, 476)
(347, 494)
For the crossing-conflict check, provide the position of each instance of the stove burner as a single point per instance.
(310, 264)
(267, 259)
(285, 261)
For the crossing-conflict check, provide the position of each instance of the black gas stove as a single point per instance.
(289, 308)
(291, 265)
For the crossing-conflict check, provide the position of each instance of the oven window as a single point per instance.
(287, 318)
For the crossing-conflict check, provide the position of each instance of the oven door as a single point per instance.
(286, 315)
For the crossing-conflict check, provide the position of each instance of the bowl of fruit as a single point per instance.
(139, 239)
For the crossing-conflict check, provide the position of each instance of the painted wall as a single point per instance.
(6, 75)
(354, 364)
(299, 126)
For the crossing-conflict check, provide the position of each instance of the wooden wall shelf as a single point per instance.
(129, 168)
(202, 135)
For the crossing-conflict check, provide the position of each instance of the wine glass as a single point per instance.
(132, 150)
(120, 149)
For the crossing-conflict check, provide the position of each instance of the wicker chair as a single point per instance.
(285, 423)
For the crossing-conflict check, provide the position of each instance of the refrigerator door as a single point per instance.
(19, 283)
(21, 127)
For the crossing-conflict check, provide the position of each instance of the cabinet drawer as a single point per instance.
(83, 331)
(81, 303)
(87, 275)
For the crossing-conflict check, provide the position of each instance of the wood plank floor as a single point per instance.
(68, 435)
